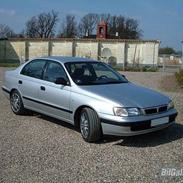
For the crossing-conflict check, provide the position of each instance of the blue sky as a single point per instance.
(159, 19)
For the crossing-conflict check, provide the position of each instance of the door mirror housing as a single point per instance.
(123, 76)
(61, 81)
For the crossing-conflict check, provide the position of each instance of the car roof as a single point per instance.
(64, 59)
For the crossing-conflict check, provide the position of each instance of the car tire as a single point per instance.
(16, 103)
(90, 125)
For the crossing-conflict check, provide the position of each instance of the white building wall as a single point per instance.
(120, 54)
(62, 48)
(117, 50)
(38, 49)
(138, 52)
(87, 49)
(135, 55)
(151, 53)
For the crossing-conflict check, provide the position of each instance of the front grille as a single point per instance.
(163, 109)
(155, 110)
(151, 111)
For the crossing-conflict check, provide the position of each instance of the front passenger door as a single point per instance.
(55, 98)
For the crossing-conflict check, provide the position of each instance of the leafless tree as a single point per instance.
(69, 27)
(31, 28)
(104, 16)
(5, 31)
(88, 24)
(42, 26)
(132, 29)
(127, 28)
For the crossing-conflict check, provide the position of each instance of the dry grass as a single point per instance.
(169, 83)
(179, 77)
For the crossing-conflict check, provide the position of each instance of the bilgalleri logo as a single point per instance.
(172, 172)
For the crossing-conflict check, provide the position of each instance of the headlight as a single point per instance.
(171, 105)
(121, 111)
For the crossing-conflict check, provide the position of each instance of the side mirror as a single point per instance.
(61, 81)
(123, 76)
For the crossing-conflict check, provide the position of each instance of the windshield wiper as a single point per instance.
(116, 82)
(102, 83)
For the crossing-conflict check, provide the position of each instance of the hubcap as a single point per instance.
(15, 102)
(84, 125)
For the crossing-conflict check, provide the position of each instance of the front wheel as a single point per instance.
(90, 125)
(16, 103)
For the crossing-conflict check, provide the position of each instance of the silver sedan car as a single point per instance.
(88, 94)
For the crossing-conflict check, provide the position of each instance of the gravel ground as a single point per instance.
(35, 148)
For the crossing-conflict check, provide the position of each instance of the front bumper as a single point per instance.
(129, 126)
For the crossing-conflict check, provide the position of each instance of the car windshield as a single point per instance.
(93, 73)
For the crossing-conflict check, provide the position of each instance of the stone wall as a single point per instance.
(128, 51)
(63, 48)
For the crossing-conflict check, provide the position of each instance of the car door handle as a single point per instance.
(43, 88)
(20, 82)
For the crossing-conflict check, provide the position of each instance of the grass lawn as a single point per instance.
(9, 63)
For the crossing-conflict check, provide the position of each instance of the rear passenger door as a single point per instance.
(29, 82)
(55, 98)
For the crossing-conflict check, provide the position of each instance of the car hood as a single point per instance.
(128, 95)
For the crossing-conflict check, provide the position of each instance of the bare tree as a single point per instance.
(42, 26)
(31, 28)
(112, 25)
(69, 27)
(5, 31)
(88, 24)
(127, 28)
(132, 29)
(104, 16)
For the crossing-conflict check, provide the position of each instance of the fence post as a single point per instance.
(26, 50)
(99, 50)
(125, 55)
(163, 63)
(50, 45)
(154, 54)
(74, 47)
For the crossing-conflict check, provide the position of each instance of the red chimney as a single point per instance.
(102, 30)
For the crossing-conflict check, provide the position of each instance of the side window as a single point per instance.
(54, 70)
(34, 69)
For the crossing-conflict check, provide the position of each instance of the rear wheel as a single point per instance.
(90, 126)
(17, 103)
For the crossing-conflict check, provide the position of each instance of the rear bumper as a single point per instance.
(130, 128)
